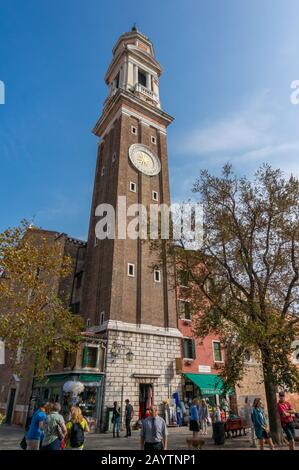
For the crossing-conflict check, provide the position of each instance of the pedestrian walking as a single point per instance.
(76, 429)
(54, 430)
(203, 416)
(129, 413)
(261, 427)
(35, 433)
(153, 434)
(194, 418)
(116, 419)
(286, 414)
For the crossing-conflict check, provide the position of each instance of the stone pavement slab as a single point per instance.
(10, 437)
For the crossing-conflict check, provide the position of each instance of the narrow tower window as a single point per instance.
(131, 269)
(155, 196)
(133, 187)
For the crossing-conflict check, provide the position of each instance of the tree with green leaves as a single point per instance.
(244, 279)
(35, 324)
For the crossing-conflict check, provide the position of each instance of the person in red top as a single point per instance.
(286, 414)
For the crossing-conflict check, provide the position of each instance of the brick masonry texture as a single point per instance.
(152, 355)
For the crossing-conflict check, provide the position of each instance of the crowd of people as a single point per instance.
(49, 431)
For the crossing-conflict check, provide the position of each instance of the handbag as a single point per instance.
(59, 431)
(23, 443)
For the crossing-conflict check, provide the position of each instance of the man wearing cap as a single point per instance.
(153, 432)
(286, 414)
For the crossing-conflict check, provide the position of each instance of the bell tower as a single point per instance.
(125, 300)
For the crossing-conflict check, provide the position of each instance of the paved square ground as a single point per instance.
(10, 437)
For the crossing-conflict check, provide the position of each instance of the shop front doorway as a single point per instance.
(145, 398)
(10, 405)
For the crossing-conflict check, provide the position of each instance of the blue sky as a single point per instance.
(228, 69)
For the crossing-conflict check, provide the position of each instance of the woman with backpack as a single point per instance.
(76, 428)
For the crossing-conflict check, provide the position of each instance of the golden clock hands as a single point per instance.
(143, 159)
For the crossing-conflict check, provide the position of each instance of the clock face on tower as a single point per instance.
(144, 160)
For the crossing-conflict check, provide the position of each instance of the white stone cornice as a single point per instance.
(139, 116)
(114, 325)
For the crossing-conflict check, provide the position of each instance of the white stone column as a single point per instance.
(124, 75)
(148, 81)
(135, 75)
(121, 74)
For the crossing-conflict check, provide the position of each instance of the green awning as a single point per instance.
(90, 377)
(209, 384)
(60, 378)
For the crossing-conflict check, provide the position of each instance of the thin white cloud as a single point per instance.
(239, 131)
(260, 132)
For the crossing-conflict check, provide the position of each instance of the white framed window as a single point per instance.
(189, 348)
(114, 157)
(133, 187)
(88, 322)
(155, 195)
(102, 171)
(185, 310)
(134, 130)
(102, 318)
(217, 351)
(153, 139)
(131, 270)
(157, 275)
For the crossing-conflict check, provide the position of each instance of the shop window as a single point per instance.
(189, 348)
(217, 353)
(185, 310)
(90, 356)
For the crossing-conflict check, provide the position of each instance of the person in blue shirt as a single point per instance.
(260, 424)
(35, 433)
(194, 418)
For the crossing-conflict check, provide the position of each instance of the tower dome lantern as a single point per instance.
(134, 68)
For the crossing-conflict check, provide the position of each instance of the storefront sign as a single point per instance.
(204, 369)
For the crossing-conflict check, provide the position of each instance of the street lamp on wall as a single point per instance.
(117, 350)
(130, 355)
